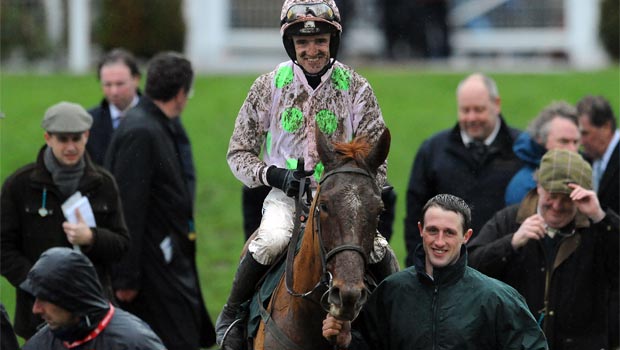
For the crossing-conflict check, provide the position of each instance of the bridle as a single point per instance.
(326, 277)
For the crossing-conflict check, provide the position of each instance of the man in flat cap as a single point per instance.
(31, 217)
(558, 248)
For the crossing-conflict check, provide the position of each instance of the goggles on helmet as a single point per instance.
(318, 10)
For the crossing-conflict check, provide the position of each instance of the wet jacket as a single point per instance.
(281, 112)
(67, 279)
(25, 234)
(579, 268)
(157, 203)
(530, 152)
(457, 308)
(443, 164)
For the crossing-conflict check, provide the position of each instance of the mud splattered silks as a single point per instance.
(281, 112)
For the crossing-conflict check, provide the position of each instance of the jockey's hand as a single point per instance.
(289, 181)
(340, 331)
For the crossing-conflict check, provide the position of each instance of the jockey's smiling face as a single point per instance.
(312, 51)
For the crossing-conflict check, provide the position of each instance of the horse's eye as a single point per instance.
(323, 207)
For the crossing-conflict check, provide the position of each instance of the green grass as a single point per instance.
(415, 104)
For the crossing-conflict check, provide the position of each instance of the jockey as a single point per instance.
(278, 119)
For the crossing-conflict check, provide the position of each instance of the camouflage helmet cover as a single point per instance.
(289, 3)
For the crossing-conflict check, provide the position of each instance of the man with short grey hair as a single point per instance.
(559, 249)
(555, 127)
(31, 217)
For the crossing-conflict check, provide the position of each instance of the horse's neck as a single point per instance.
(308, 265)
(299, 318)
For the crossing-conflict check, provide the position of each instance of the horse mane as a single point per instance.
(356, 150)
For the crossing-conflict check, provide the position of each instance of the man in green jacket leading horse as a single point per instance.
(440, 302)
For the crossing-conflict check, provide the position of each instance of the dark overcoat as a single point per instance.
(25, 234)
(146, 161)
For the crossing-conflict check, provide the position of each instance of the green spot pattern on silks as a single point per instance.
(268, 143)
(292, 118)
(341, 78)
(318, 171)
(284, 76)
(327, 121)
(291, 164)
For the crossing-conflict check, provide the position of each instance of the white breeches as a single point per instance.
(276, 228)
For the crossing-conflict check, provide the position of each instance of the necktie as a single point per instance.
(478, 150)
(597, 173)
(116, 122)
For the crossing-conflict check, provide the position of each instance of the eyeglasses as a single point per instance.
(64, 138)
(319, 10)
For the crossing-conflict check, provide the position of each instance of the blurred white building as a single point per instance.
(243, 35)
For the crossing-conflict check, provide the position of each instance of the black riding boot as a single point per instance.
(387, 266)
(229, 327)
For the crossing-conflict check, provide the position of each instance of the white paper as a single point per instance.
(166, 248)
(81, 203)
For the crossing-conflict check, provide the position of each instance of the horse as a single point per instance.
(327, 273)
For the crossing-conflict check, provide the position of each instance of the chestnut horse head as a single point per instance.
(328, 271)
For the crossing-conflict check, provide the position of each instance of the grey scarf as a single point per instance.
(67, 178)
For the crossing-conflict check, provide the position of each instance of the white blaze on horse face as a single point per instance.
(353, 201)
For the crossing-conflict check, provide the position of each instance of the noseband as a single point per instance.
(326, 278)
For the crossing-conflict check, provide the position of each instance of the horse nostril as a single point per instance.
(334, 296)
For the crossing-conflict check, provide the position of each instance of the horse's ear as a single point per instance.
(325, 148)
(379, 153)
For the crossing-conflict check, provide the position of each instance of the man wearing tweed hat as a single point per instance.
(31, 218)
(558, 248)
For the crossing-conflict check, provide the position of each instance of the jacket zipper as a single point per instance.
(434, 319)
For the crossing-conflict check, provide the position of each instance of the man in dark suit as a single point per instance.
(119, 76)
(600, 139)
(473, 160)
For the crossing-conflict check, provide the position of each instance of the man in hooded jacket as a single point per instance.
(70, 299)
